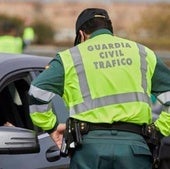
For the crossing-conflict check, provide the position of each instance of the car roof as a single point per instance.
(13, 62)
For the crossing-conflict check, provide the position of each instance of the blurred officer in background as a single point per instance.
(106, 82)
(10, 42)
(28, 33)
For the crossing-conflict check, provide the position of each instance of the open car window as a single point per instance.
(14, 106)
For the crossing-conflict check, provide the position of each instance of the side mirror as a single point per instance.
(15, 140)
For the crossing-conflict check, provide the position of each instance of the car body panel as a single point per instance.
(21, 67)
(35, 160)
(10, 63)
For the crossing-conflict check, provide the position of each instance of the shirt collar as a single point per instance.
(99, 32)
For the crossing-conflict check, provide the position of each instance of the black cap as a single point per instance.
(88, 14)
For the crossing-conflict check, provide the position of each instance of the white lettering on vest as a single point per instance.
(112, 54)
(112, 63)
(108, 46)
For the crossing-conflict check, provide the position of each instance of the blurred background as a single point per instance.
(53, 22)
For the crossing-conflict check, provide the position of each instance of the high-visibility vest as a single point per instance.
(11, 44)
(28, 34)
(108, 79)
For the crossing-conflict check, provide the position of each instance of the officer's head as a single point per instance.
(8, 27)
(90, 20)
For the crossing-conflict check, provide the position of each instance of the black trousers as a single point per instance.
(165, 153)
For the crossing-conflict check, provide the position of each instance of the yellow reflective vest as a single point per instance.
(28, 34)
(11, 44)
(108, 79)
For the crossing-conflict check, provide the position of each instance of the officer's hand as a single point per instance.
(57, 135)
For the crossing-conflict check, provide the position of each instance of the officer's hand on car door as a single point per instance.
(57, 135)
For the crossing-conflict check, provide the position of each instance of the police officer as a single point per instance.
(106, 82)
(9, 41)
(28, 33)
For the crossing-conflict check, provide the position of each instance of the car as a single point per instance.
(16, 140)
(16, 73)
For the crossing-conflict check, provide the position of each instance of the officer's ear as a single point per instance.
(83, 36)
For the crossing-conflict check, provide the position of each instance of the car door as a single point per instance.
(14, 109)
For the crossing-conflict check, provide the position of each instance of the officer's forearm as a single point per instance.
(45, 120)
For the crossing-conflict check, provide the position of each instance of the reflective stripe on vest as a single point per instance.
(41, 94)
(39, 108)
(164, 97)
(106, 100)
(143, 54)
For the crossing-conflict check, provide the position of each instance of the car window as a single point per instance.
(14, 107)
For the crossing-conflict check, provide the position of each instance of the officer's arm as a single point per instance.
(161, 89)
(43, 89)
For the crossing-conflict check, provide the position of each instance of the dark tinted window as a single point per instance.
(14, 106)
